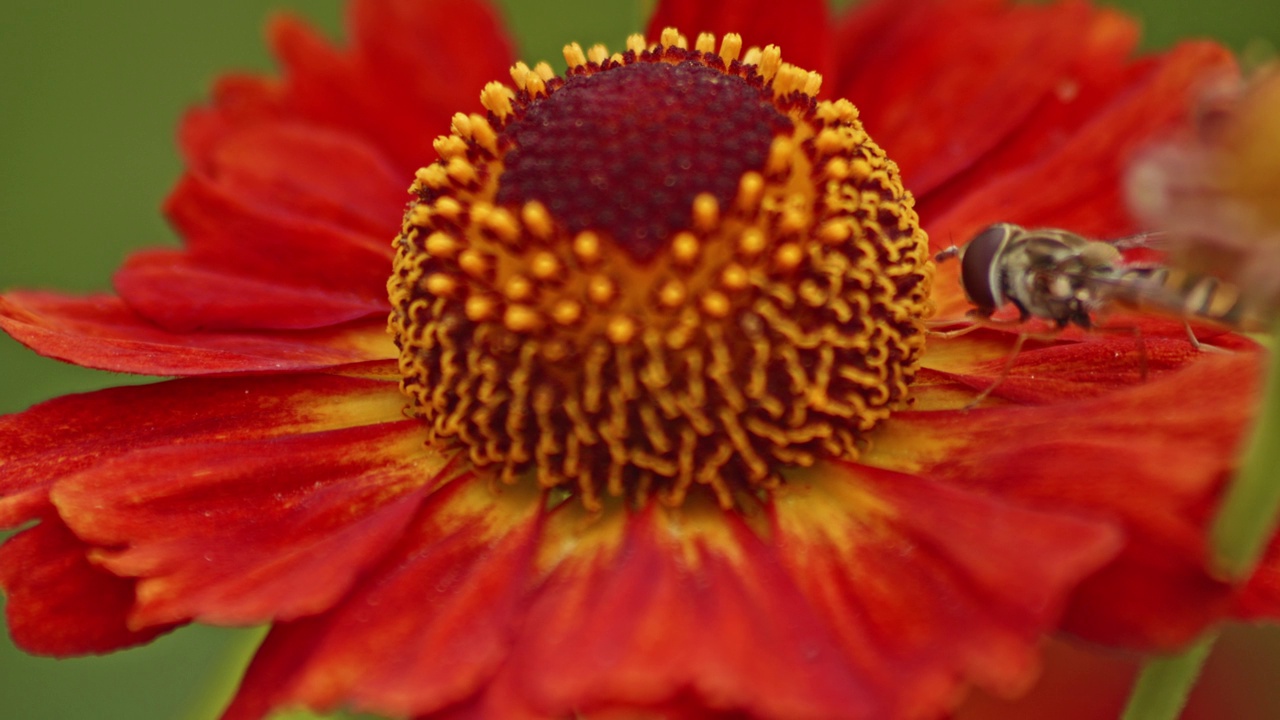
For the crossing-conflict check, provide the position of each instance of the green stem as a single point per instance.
(1162, 689)
(240, 646)
(1247, 519)
(1241, 530)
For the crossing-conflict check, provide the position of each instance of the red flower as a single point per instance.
(279, 479)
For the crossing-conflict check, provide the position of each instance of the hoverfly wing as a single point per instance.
(1137, 285)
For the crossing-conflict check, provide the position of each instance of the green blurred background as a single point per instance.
(90, 94)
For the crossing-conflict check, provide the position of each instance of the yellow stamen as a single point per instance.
(730, 48)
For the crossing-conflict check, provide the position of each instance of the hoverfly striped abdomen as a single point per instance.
(1172, 291)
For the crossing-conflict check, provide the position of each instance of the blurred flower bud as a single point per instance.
(1214, 189)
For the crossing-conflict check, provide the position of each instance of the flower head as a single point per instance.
(627, 343)
(1212, 187)
(658, 426)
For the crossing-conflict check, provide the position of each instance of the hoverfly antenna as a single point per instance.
(1150, 239)
(947, 254)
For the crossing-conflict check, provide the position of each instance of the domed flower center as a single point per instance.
(671, 271)
(625, 152)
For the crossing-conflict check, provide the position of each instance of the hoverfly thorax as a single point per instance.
(1046, 273)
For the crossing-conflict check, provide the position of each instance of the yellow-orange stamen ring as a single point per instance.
(777, 323)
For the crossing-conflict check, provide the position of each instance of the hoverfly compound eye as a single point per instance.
(980, 267)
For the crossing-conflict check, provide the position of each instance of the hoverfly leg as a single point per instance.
(1191, 335)
(976, 321)
(1004, 373)
(948, 334)
(1201, 346)
(1139, 342)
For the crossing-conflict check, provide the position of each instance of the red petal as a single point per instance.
(293, 205)
(310, 172)
(1152, 457)
(182, 294)
(73, 433)
(58, 603)
(874, 596)
(687, 606)
(424, 631)
(238, 101)
(1072, 365)
(1064, 169)
(245, 532)
(656, 605)
(412, 64)
(978, 69)
(99, 331)
(799, 28)
(927, 585)
(1064, 123)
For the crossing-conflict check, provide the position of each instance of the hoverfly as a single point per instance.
(1065, 278)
